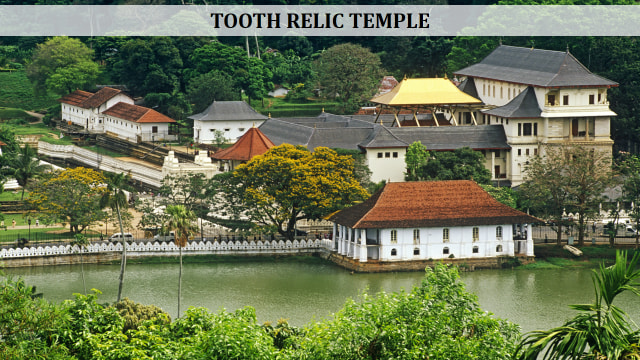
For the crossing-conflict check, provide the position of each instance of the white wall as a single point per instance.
(386, 164)
(203, 131)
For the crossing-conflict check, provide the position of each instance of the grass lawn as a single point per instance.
(103, 151)
(12, 195)
(48, 135)
(17, 92)
(7, 113)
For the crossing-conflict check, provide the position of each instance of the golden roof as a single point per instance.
(427, 91)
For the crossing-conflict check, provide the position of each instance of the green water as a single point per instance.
(301, 292)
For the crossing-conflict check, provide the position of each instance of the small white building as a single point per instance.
(85, 109)
(232, 118)
(425, 220)
(137, 123)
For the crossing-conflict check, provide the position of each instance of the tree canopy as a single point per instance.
(62, 64)
(70, 197)
(287, 184)
(460, 164)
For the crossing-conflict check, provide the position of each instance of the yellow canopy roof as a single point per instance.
(430, 91)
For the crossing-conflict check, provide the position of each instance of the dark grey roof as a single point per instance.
(280, 132)
(468, 86)
(477, 137)
(228, 110)
(382, 137)
(525, 105)
(339, 138)
(545, 68)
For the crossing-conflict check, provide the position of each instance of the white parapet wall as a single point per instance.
(145, 174)
(202, 164)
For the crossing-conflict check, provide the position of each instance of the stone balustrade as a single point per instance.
(266, 247)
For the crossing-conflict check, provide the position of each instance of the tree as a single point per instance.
(181, 222)
(115, 198)
(25, 166)
(460, 164)
(286, 184)
(62, 64)
(567, 177)
(629, 167)
(350, 73)
(71, 196)
(601, 330)
(202, 90)
(81, 242)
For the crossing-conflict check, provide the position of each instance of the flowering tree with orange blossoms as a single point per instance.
(289, 183)
(70, 197)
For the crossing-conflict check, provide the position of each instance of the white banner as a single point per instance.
(413, 20)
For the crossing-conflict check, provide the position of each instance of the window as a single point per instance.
(484, 89)
(565, 100)
(526, 152)
(535, 151)
(499, 232)
(416, 236)
(592, 99)
(476, 233)
(241, 129)
(379, 155)
(526, 129)
(227, 129)
(395, 154)
(535, 129)
(551, 99)
(497, 152)
(494, 91)
(475, 250)
(154, 129)
(394, 236)
(445, 251)
(519, 152)
(394, 252)
(501, 91)
(387, 154)
(509, 93)
(499, 248)
(445, 235)
(416, 251)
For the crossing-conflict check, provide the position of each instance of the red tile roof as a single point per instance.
(76, 98)
(430, 204)
(89, 100)
(135, 113)
(251, 144)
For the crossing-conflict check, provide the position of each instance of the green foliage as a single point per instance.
(13, 114)
(503, 194)
(61, 65)
(460, 164)
(24, 166)
(349, 73)
(601, 330)
(135, 314)
(202, 90)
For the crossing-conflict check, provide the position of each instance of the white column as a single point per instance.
(333, 236)
(363, 245)
(529, 240)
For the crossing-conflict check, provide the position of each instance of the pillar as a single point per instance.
(363, 245)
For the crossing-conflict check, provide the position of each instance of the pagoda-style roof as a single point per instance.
(430, 204)
(228, 110)
(426, 92)
(523, 106)
(135, 113)
(252, 143)
(543, 68)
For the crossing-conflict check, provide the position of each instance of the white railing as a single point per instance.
(160, 248)
(145, 174)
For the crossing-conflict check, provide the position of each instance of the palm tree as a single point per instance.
(24, 166)
(82, 242)
(181, 222)
(601, 330)
(116, 199)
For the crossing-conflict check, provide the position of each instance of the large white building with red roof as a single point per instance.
(422, 220)
(112, 111)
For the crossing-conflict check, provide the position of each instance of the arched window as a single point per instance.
(394, 236)
(476, 233)
(499, 248)
(499, 232)
(416, 236)
(445, 251)
(445, 235)
(394, 252)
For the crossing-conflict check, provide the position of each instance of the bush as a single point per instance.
(134, 314)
